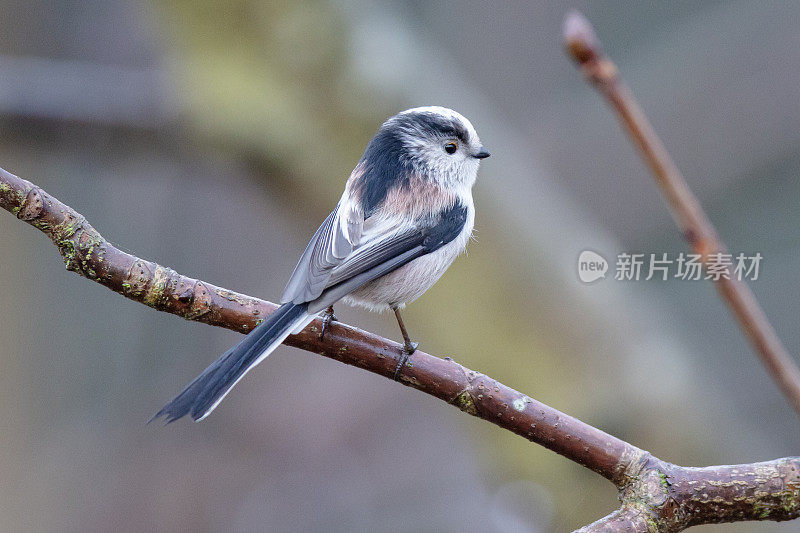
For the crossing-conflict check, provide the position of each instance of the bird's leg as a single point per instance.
(327, 318)
(409, 347)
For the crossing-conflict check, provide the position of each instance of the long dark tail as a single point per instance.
(208, 389)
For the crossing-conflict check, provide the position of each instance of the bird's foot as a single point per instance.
(408, 349)
(327, 318)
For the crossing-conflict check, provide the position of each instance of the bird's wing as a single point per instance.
(334, 241)
(344, 255)
(388, 251)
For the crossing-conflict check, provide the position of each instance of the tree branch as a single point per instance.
(666, 497)
(656, 496)
(87, 253)
(584, 47)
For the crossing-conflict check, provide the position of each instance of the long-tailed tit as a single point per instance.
(405, 215)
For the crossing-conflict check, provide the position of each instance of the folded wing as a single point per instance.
(343, 255)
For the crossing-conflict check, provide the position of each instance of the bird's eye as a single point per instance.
(450, 148)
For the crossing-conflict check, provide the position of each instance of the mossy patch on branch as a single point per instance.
(465, 402)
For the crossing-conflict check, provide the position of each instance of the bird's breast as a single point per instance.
(416, 198)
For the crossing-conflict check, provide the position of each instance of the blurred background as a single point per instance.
(213, 137)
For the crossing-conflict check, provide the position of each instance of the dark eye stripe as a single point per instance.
(437, 124)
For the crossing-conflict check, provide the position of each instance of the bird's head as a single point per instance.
(434, 142)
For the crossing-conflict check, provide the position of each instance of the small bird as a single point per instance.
(406, 213)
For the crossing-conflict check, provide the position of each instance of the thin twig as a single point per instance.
(584, 47)
(652, 491)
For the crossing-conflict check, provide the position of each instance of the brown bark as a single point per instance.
(656, 496)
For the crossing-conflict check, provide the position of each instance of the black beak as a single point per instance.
(483, 154)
